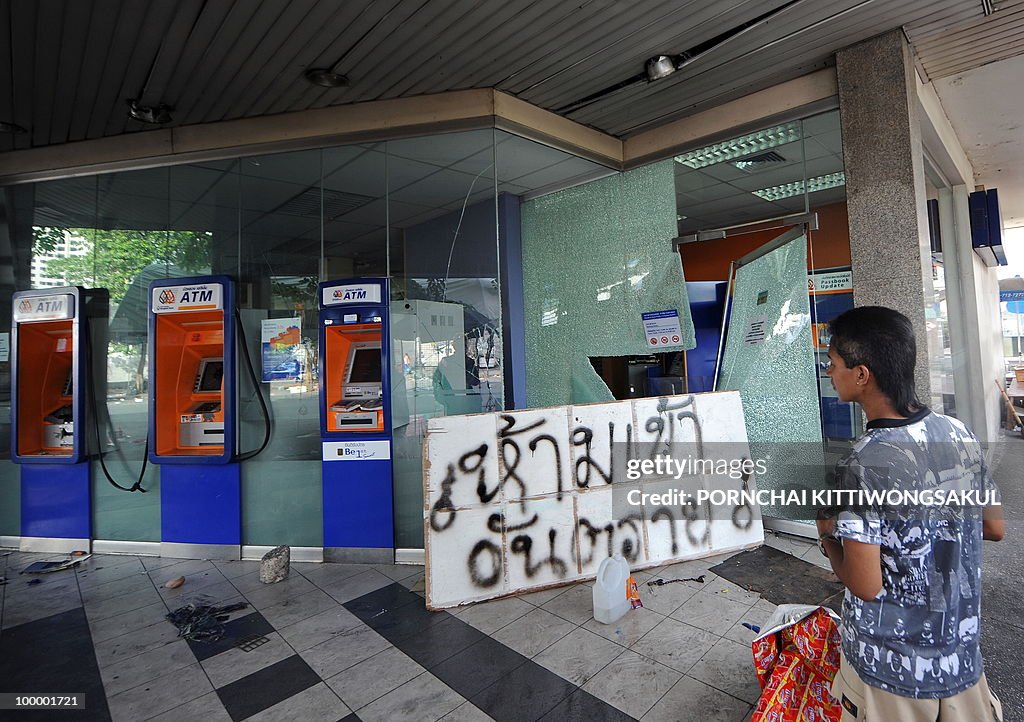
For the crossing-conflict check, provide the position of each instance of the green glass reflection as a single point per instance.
(10, 498)
(595, 257)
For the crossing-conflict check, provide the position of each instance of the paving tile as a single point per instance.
(440, 641)
(207, 582)
(579, 655)
(325, 574)
(632, 683)
(398, 572)
(692, 569)
(122, 604)
(582, 706)
(478, 666)
(186, 568)
(382, 600)
(693, 701)
(666, 598)
(269, 595)
(355, 586)
(362, 683)
(207, 708)
(534, 632)
(467, 712)
(131, 584)
(424, 699)
(264, 688)
(417, 584)
(153, 563)
(159, 695)
(319, 628)
(544, 596)
(146, 667)
(18, 613)
(344, 649)
(298, 608)
(405, 621)
(575, 605)
(756, 615)
(31, 587)
(126, 646)
(104, 571)
(627, 630)
(721, 587)
(232, 568)
(491, 616)
(523, 695)
(244, 624)
(675, 644)
(729, 666)
(234, 664)
(316, 703)
(711, 612)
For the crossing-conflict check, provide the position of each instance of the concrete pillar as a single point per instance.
(885, 191)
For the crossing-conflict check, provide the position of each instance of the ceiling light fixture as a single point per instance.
(325, 77)
(12, 128)
(743, 146)
(152, 114)
(796, 188)
(658, 67)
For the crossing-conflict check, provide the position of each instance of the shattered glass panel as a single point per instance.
(769, 359)
(595, 257)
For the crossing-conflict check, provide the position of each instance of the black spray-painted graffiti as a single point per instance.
(590, 540)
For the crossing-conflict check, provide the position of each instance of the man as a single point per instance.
(911, 616)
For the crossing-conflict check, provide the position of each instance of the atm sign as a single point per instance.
(202, 297)
(45, 308)
(351, 293)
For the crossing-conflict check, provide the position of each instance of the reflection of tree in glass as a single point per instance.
(113, 258)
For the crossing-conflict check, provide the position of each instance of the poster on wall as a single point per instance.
(279, 348)
(5, 347)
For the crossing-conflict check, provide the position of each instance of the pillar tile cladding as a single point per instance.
(885, 190)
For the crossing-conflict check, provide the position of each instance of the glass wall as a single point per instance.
(422, 211)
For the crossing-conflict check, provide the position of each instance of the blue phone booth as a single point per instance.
(355, 421)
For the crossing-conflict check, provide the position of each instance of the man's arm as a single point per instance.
(858, 565)
(992, 525)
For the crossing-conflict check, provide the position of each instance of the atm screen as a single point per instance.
(211, 375)
(364, 366)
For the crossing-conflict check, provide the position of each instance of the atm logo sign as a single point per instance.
(351, 293)
(200, 297)
(44, 308)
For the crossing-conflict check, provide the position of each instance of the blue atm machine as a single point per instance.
(192, 402)
(355, 421)
(58, 370)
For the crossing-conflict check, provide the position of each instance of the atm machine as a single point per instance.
(192, 419)
(355, 421)
(58, 369)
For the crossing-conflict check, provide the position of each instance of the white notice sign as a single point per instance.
(757, 331)
(661, 328)
(356, 450)
(198, 297)
(5, 347)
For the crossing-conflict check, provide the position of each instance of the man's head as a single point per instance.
(874, 347)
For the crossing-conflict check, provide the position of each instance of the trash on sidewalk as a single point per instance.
(73, 559)
(661, 582)
(202, 622)
(175, 583)
(276, 564)
(610, 590)
(796, 657)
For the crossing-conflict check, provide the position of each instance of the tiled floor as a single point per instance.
(348, 642)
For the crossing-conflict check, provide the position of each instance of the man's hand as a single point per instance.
(826, 527)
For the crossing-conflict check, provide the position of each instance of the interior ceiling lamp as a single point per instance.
(796, 188)
(12, 128)
(325, 77)
(743, 146)
(152, 114)
(661, 66)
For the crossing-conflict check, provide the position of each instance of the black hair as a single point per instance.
(883, 340)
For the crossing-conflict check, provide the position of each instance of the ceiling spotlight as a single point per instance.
(660, 66)
(325, 77)
(12, 128)
(155, 115)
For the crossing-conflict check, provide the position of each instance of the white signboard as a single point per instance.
(351, 293)
(661, 328)
(835, 282)
(52, 307)
(529, 499)
(5, 347)
(356, 450)
(197, 297)
(757, 331)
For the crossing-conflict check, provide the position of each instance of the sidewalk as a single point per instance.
(348, 642)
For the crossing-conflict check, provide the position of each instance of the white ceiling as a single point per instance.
(985, 106)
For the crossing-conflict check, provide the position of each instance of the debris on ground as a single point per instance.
(202, 622)
(275, 565)
(35, 581)
(662, 582)
(47, 567)
(175, 583)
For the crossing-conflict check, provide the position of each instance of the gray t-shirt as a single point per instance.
(920, 636)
